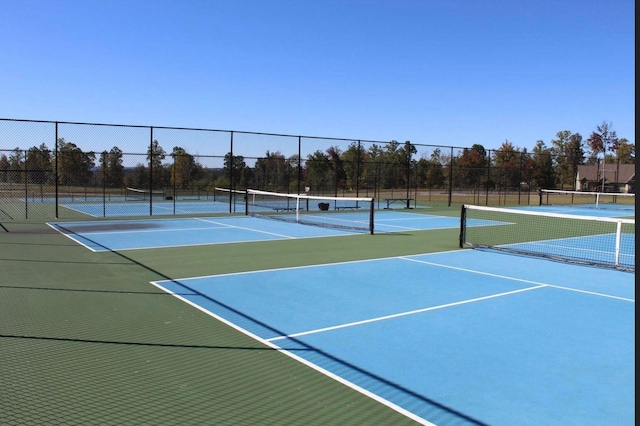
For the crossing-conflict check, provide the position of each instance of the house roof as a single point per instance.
(613, 172)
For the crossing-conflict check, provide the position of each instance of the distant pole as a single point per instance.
(55, 172)
(450, 178)
(408, 172)
(151, 171)
(604, 162)
(231, 173)
(358, 171)
(299, 164)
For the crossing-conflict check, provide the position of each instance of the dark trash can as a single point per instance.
(323, 206)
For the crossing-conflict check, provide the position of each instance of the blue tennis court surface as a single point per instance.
(175, 232)
(455, 338)
(118, 207)
(142, 208)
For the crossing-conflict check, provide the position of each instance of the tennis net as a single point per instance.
(596, 200)
(349, 213)
(134, 194)
(598, 241)
(226, 195)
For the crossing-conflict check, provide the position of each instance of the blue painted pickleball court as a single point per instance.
(174, 232)
(463, 337)
(118, 207)
(454, 338)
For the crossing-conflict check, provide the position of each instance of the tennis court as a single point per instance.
(120, 207)
(157, 233)
(221, 200)
(243, 320)
(449, 338)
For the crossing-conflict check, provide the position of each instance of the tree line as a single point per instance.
(376, 165)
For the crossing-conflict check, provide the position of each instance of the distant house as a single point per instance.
(617, 178)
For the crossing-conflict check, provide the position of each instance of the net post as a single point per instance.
(246, 202)
(463, 217)
(371, 208)
(540, 197)
(618, 242)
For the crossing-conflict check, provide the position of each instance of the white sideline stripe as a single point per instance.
(288, 268)
(402, 314)
(309, 364)
(416, 216)
(213, 222)
(143, 231)
(70, 236)
(594, 293)
(536, 285)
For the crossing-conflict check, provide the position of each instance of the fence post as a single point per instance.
(231, 172)
(151, 171)
(450, 177)
(55, 173)
(358, 161)
(486, 200)
(299, 164)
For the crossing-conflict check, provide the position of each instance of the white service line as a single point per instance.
(247, 229)
(402, 314)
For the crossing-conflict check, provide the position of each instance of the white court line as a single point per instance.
(270, 342)
(70, 236)
(536, 285)
(402, 314)
(246, 229)
(518, 279)
(300, 359)
(220, 226)
(142, 231)
(73, 209)
(86, 235)
(416, 216)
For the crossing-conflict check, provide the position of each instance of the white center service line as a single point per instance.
(246, 229)
(402, 314)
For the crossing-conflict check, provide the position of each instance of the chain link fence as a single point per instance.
(81, 170)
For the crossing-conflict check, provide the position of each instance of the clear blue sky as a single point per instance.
(453, 72)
